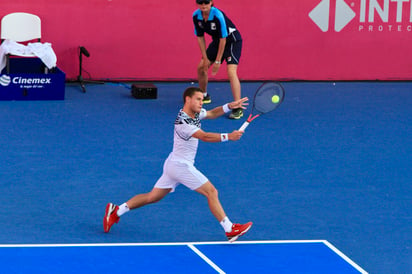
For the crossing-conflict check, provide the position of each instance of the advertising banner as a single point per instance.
(282, 39)
(30, 86)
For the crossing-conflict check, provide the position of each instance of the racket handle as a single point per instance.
(244, 126)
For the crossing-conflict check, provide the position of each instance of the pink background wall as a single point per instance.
(154, 40)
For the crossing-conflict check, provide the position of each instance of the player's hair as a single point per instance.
(190, 91)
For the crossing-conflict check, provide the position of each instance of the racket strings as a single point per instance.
(263, 102)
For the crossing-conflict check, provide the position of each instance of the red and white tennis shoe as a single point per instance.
(110, 217)
(237, 231)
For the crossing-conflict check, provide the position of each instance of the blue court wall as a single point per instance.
(283, 39)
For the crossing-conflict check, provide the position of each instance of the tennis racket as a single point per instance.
(267, 98)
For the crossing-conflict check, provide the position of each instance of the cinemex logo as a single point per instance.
(6, 80)
(372, 15)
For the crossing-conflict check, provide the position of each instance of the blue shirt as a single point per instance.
(218, 25)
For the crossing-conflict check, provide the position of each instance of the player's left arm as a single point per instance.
(219, 111)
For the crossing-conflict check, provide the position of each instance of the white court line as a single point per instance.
(206, 259)
(163, 244)
(329, 245)
(346, 258)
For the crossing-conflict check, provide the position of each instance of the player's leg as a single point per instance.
(192, 178)
(155, 195)
(233, 231)
(113, 212)
(210, 192)
(163, 186)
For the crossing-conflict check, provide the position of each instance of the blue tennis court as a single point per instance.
(332, 163)
(209, 257)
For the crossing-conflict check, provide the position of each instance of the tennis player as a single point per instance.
(179, 166)
(226, 45)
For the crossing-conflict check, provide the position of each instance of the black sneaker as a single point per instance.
(207, 99)
(237, 113)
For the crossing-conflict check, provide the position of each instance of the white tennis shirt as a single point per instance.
(184, 145)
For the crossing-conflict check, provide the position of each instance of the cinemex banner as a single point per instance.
(32, 86)
(25, 82)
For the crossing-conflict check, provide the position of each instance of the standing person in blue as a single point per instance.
(226, 45)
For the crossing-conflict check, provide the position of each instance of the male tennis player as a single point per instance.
(226, 45)
(179, 166)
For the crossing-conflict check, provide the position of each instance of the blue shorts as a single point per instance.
(232, 53)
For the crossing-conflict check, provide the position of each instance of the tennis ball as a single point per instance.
(275, 99)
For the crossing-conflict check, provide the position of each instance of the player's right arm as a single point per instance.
(212, 137)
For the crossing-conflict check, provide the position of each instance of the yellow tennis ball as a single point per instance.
(275, 99)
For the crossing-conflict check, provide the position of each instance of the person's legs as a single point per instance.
(233, 52)
(162, 187)
(236, 90)
(113, 212)
(202, 76)
(233, 231)
(203, 67)
(234, 81)
(155, 195)
(210, 192)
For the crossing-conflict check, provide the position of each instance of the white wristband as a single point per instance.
(226, 108)
(224, 137)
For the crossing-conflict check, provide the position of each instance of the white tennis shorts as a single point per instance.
(180, 172)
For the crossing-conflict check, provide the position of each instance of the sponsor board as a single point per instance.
(25, 82)
(363, 15)
(33, 86)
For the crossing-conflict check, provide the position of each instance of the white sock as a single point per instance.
(123, 209)
(204, 94)
(226, 224)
